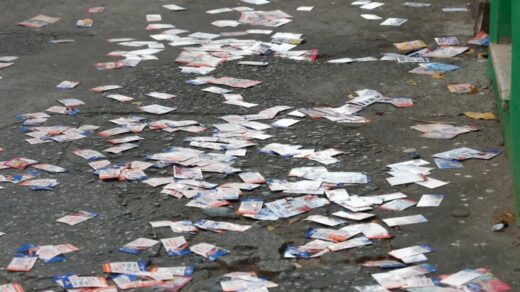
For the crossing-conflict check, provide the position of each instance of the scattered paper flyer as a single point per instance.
(447, 41)
(253, 63)
(371, 5)
(87, 23)
(357, 216)
(417, 4)
(432, 183)
(157, 109)
(257, 2)
(76, 217)
(104, 88)
(219, 10)
(139, 245)
(22, 263)
(443, 131)
(433, 200)
(120, 97)
(174, 7)
(153, 17)
(250, 207)
(408, 252)
(460, 278)
(462, 88)
(394, 22)
(209, 251)
(284, 123)
(455, 9)
(225, 23)
(406, 220)
(217, 90)
(410, 45)
(96, 10)
(160, 95)
(360, 2)
(448, 163)
(328, 221)
(38, 21)
(5, 64)
(445, 52)
(371, 16)
(67, 84)
(305, 8)
(398, 205)
(341, 60)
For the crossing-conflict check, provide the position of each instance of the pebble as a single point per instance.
(409, 150)
(460, 213)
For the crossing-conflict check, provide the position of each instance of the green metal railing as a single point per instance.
(505, 28)
(500, 22)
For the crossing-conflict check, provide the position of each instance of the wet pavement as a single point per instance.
(459, 229)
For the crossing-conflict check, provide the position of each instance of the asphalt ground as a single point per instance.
(460, 229)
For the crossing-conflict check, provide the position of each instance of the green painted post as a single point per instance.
(514, 124)
(500, 19)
